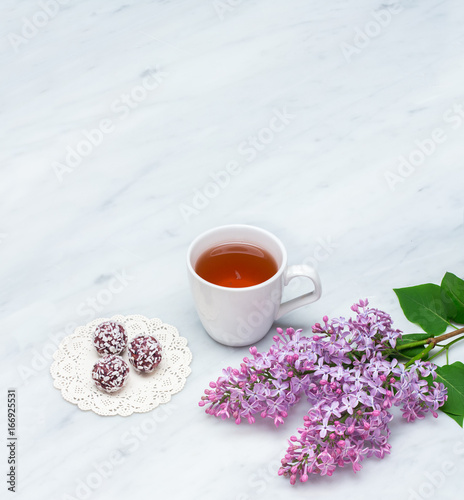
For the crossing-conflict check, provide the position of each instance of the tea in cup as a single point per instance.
(237, 275)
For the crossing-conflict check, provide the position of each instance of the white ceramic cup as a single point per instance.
(242, 316)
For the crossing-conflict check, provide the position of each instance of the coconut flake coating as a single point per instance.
(144, 353)
(109, 338)
(110, 373)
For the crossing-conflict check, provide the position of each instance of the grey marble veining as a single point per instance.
(130, 127)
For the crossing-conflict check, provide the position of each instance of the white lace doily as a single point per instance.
(76, 355)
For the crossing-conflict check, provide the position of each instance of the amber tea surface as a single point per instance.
(236, 265)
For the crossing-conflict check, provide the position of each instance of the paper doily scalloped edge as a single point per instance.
(75, 355)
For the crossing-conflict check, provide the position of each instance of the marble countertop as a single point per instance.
(129, 127)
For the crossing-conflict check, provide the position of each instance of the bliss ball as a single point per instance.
(110, 373)
(144, 353)
(109, 338)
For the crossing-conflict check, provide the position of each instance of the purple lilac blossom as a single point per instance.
(342, 371)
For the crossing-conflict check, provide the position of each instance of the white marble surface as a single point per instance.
(182, 89)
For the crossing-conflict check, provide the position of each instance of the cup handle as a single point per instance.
(308, 272)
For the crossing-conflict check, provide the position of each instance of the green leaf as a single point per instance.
(411, 352)
(423, 306)
(453, 378)
(452, 291)
(457, 418)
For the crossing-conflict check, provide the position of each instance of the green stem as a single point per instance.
(446, 348)
(431, 340)
(418, 343)
(421, 354)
